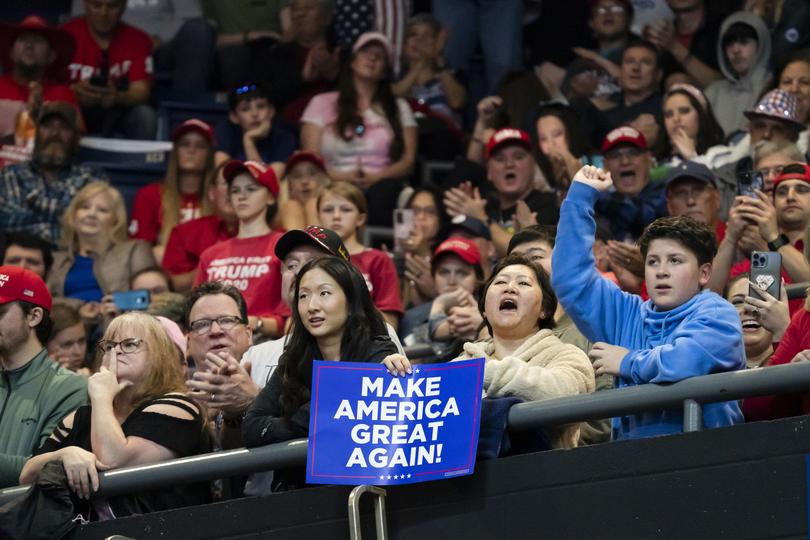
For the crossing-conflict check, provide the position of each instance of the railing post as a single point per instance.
(692, 416)
(379, 512)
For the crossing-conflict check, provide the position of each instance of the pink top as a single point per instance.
(369, 150)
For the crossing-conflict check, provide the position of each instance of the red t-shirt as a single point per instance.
(246, 263)
(14, 99)
(795, 340)
(187, 242)
(381, 278)
(147, 212)
(129, 53)
(745, 266)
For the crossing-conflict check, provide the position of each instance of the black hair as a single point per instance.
(247, 91)
(477, 268)
(709, 131)
(739, 32)
(438, 200)
(156, 269)
(549, 302)
(693, 235)
(533, 233)
(29, 241)
(639, 43)
(578, 143)
(211, 288)
(349, 120)
(45, 326)
(362, 317)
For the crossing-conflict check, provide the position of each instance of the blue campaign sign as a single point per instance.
(369, 427)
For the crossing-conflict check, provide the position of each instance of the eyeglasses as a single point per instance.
(245, 89)
(357, 131)
(127, 346)
(226, 322)
(615, 9)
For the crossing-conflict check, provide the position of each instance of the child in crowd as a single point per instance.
(343, 208)
(246, 261)
(680, 332)
(260, 139)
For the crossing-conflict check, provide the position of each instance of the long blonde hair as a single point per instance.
(118, 232)
(165, 374)
(170, 192)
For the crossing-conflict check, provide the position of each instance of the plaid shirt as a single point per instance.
(30, 204)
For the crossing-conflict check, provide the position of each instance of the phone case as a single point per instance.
(131, 300)
(766, 272)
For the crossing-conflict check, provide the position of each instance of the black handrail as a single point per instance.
(533, 415)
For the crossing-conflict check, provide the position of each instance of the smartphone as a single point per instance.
(766, 272)
(403, 225)
(99, 80)
(131, 300)
(748, 181)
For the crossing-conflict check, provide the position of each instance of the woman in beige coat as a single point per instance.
(523, 357)
(97, 257)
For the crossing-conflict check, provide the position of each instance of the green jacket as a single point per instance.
(33, 399)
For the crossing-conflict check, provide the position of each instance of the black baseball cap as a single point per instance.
(325, 239)
(690, 169)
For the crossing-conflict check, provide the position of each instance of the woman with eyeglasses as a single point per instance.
(429, 216)
(366, 136)
(334, 319)
(138, 414)
(247, 261)
(181, 195)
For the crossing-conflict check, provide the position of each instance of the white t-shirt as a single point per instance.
(264, 357)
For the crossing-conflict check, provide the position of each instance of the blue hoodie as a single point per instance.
(699, 337)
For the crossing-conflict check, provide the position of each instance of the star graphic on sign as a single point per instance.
(382, 477)
(409, 475)
(389, 477)
(396, 477)
(416, 370)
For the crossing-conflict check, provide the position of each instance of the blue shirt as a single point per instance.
(277, 146)
(81, 282)
(699, 337)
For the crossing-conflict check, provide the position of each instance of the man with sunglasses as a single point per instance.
(35, 391)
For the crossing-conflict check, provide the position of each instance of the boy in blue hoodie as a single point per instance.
(682, 331)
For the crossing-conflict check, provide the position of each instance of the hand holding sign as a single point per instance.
(367, 427)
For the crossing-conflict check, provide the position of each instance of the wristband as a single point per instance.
(781, 241)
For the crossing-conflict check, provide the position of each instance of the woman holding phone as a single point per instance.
(97, 257)
(333, 319)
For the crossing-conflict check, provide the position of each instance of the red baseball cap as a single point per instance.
(507, 136)
(465, 248)
(20, 284)
(263, 174)
(60, 40)
(197, 125)
(624, 134)
(794, 171)
(304, 155)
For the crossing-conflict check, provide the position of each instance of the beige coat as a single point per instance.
(113, 269)
(542, 368)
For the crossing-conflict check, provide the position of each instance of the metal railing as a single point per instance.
(523, 416)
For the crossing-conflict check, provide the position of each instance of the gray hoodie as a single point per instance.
(731, 96)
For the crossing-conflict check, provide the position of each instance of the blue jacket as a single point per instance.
(699, 337)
